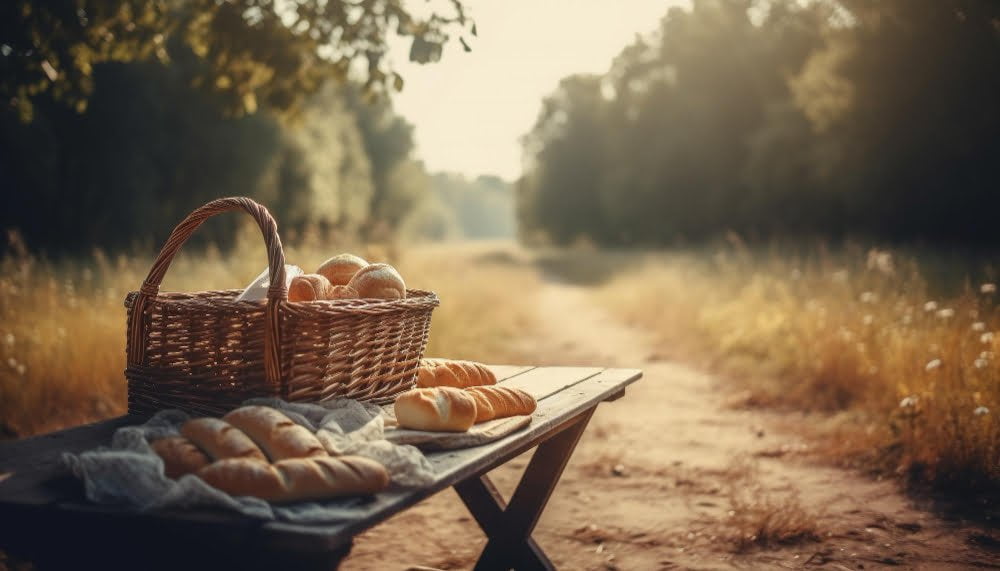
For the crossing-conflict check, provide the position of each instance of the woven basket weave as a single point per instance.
(205, 353)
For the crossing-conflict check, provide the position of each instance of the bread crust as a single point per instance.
(341, 268)
(218, 439)
(276, 434)
(378, 281)
(503, 402)
(444, 409)
(453, 373)
(309, 287)
(297, 479)
(180, 456)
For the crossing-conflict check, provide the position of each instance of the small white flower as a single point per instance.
(986, 337)
(12, 362)
(946, 313)
(980, 363)
(932, 364)
(930, 306)
(988, 288)
(908, 402)
(9, 339)
(979, 326)
(21, 368)
(981, 411)
(868, 297)
(868, 319)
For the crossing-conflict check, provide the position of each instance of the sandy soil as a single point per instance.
(653, 482)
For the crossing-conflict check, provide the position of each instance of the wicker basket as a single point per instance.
(205, 352)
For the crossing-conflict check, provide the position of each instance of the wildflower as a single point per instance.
(9, 339)
(986, 337)
(932, 364)
(908, 402)
(881, 261)
(981, 411)
(979, 326)
(868, 297)
(988, 288)
(21, 368)
(946, 313)
(980, 363)
(930, 306)
(12, 362)
(868, 319)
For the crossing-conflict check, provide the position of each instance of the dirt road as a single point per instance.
(670, 478)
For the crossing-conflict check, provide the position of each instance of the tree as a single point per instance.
(254, 53)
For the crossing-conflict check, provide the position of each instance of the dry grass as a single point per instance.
(911, 375)
(62, 325)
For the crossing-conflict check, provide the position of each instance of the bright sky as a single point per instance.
(469, 109)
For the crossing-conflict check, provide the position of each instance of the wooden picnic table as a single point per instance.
(44, 516)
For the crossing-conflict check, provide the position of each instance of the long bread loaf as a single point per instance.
(498, 401)
(276, 434)
(180, 456)
(297, 479)
(219, 439)
(444, 409)
(453, 373)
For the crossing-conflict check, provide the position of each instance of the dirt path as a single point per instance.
(669, 478)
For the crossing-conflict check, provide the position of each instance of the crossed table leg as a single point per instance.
(508, 527)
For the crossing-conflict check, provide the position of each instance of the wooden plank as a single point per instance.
(585, 390)
(542, 382)
(504, 372)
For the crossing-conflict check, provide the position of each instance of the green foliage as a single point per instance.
(778, 117)
(254, 53)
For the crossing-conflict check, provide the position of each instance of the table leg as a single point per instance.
(508, 527)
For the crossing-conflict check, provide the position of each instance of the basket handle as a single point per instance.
(276, 292)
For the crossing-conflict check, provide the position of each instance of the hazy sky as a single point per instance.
(469, 109)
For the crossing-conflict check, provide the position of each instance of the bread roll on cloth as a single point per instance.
(218, 439)
(297, 479)
(452, 373)
(341, 268)
(445, 409)
(180, 456)
(500, 402)
(378, 281)
(276, 434)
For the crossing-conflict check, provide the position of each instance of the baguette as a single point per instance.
(276, 434)
(218, 439)
(452, 373)
(444, 409)
(500, 402)
(297, 479)
(180, 456)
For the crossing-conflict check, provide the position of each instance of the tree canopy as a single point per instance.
(251, 53)
(778, 117)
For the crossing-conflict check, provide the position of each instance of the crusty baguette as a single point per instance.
(180, 456)
(438, 408)
(219, 439)
(276, 434)
(503, 402)
(453, 373)
(297, 479)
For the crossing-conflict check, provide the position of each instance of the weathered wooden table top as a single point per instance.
(38, 495)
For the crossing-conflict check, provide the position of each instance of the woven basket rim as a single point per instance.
(415, 299)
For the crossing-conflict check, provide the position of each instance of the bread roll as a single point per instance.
(444, 409)
(219, 439)
(180, 456)
(342, 292)
(500, 402)
(276, 434)
(378, 281)
(297, 479)
(341, 268)
(452, 373)
(309, 287)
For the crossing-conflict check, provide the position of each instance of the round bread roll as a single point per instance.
(309, 287)
(342, 292)
(341, 268)
(378, 281)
